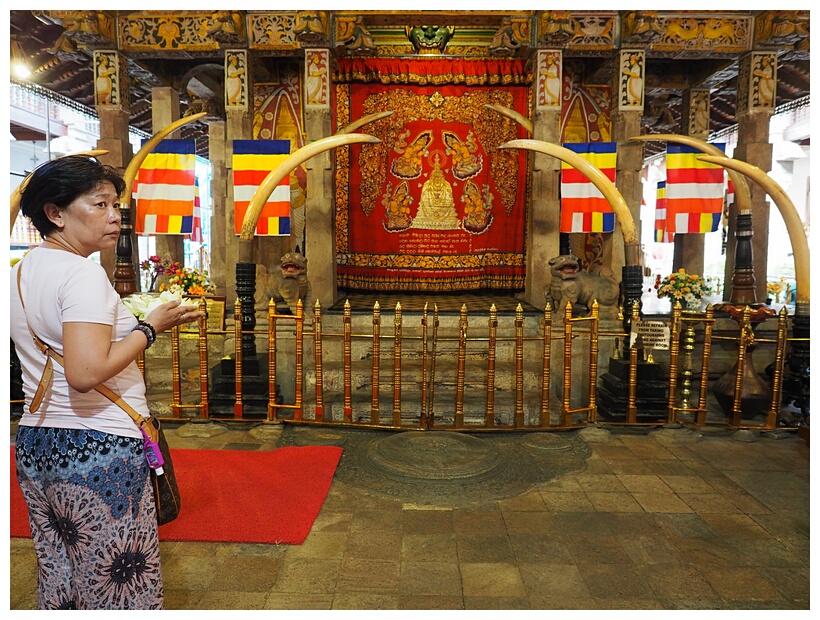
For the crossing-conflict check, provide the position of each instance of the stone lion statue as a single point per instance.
(580, 288)
(285, 282)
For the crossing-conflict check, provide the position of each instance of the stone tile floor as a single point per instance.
(657, 519)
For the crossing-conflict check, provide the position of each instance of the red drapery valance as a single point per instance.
(433, 71)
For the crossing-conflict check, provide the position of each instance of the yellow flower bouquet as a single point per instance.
(188, 280)
(684, 288)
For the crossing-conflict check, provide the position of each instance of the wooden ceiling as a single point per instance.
(61, 62)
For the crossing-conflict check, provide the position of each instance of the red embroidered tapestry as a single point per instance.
(436, 205)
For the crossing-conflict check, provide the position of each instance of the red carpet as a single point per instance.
(236, 495)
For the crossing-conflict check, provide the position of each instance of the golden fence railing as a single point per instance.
(417, 348)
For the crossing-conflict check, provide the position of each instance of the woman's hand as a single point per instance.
(172, 313)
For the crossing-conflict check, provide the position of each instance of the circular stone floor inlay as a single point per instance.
(434, 456)
(445, 468)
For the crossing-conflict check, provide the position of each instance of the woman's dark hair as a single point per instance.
(60, 182)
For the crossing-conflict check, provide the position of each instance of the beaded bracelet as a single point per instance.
(148, 330)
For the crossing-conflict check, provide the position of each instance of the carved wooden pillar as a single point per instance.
(320, 225)
(239, 113)
(112, 101)
(544, 213)
(695, 123)
(627, 110)
(756, 89)
(220, 226)
(164, 111)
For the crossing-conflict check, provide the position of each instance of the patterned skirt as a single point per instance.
(93, 519)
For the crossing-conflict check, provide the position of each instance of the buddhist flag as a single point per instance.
(694, 191)
(252, 161)
(164, 189)
(661, 234)
(196, 230)
(583, 206)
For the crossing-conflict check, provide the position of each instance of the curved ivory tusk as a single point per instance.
(510, 113)
(274, 177)
(742, 195)
(18, 191)
(364, 120)
(594, 174)
(794, 226)
(135, 163)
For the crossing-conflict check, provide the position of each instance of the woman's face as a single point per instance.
(92, 222)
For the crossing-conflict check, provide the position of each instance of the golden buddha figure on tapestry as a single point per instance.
(437, 209)
(397, 208)
(466, 162)
(409, 165)
(477, 208)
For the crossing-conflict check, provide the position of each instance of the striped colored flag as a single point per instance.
(730, 192)
(661, 234)
(164, 189)
(694, 191)
(196, 231)
(252, 161)
(583, 207)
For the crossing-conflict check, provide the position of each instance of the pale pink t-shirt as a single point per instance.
(60, 287)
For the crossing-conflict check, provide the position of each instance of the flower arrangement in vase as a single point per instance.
(188, 281)
(685, 288)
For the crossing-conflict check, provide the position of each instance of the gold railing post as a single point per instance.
(746, 335)
(300, 365)
(545, 376)
(566, 415)
(519, 366)
(175, 372)
(271, 359)
(204, 407)
(462, 356)
(141, 363)
(592, 415)
(700, 418)
(318, 363)
(374, 394)
(347, 407)
(492, 324)
(632, 398)
(431, 413)
(688, 349)
(397, 367)
(674, 352)
(777, 374)
(423, 415)
(237, 330)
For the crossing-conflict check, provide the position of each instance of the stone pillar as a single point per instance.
(756, 89)
(689, 246)
(320, 212)
(544, 213)
(164, 111)
(626, 110)
(112, 101)
(220, 181)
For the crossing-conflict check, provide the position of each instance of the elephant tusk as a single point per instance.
(594, 174)
(135, 163)
(364, 120)
(18, 191)
(509, 113)
(742, 195)
(794, 226)
(274, 177)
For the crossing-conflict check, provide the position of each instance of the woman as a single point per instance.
(80, 460)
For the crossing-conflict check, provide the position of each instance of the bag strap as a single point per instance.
(48, 372)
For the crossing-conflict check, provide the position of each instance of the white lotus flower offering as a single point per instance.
(141, 304)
